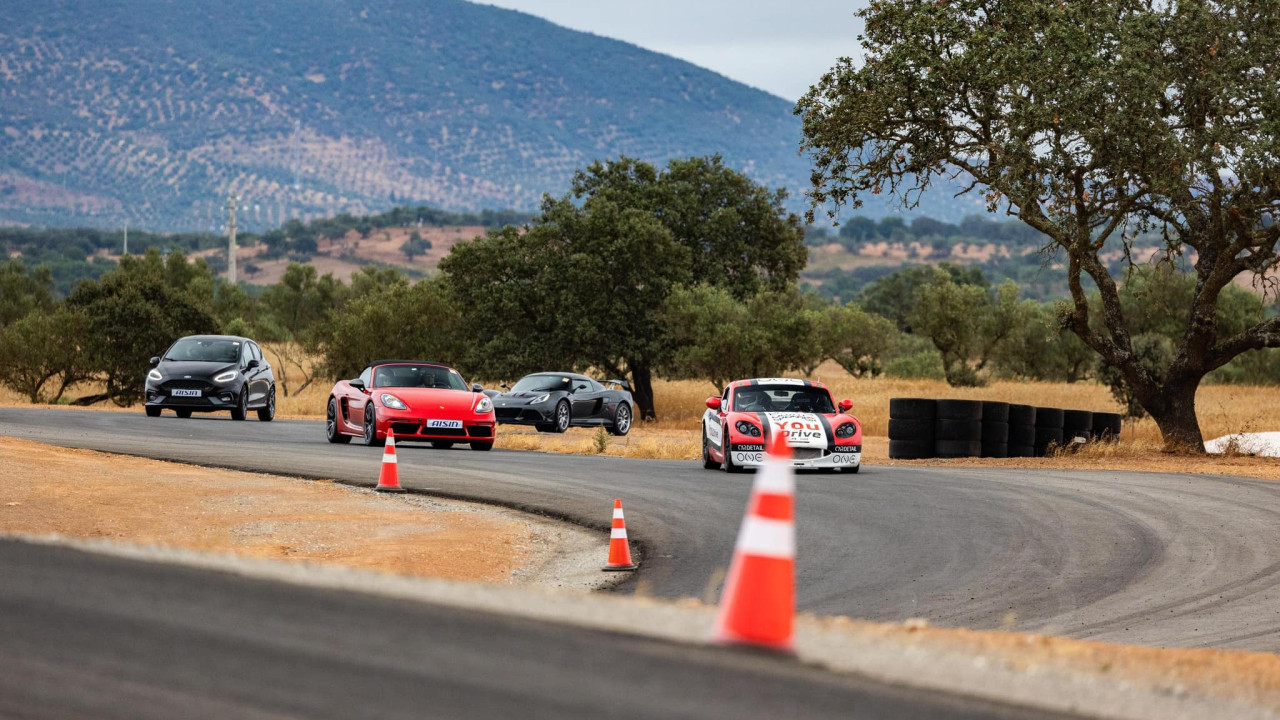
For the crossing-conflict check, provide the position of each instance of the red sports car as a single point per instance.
(738, 426)
(415, 400)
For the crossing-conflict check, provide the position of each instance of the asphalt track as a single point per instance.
(1145, 558)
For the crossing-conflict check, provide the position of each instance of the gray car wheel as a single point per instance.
(564, 417)
(621, 420)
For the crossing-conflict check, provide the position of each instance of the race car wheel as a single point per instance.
(153, 412)
(707, 462)
(442, 444)
(563, 417)
(331, 424)
(482, 446)
(621, 420)
(268, 413)
(853, 469)
(183, 413)
(241, 410)
(371, 428)
(729, 467)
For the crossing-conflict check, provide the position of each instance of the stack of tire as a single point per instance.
(958, 430)
(1048, 429)
(1106, 427)
(911, 428)
(995, 429)
(1077, 427)
(1022, 431)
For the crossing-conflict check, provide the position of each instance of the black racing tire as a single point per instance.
(564, 417)
(995, 450)
(729, 467)
(371, 427)
(1022, 434)
(1021, 451)
(965, 430)
(241, 410)
(621, 420)
(1077, 424)
(1106, 426)
(1048, 417)
(1022, 415)
(995, 411)
(183, 413)
(268, 413)
(1047, 438)
(901, 429)
(913, 408)
(957, 448)
(707, 462)
(442, 444)
(853, 469)
(153, 411)
(482, 446)
(910, 450)
(960, 410)
(995, 433)
(331, 431)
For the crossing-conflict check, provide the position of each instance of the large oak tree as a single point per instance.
(1093, 121)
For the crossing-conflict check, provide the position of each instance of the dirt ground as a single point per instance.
(84, 494)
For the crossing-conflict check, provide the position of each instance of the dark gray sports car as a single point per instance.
(554, 402)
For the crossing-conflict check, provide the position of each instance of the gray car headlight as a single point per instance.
(540, 399)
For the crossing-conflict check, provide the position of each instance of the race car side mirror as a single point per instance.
(714, 402)
(155, 361)
(846, 405)
(477, 387)
(503, 386)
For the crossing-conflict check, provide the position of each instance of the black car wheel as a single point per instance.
(563, 417)
(241, 410)
(371, 428)
(268, 413)
(153, 411)
(482, 446)
(707, 462)
(621, 420)
(442, 444)
(183, 413)
(331, 424)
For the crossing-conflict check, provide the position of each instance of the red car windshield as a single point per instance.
(417, 376)
(782, 398)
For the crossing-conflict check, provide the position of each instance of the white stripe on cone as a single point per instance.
(765, 537)
(775, 478)
(390, 458)
(618, 533)
(617, 513)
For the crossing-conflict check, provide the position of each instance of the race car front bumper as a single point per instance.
(844, 456)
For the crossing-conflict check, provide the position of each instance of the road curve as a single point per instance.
(1156, 559)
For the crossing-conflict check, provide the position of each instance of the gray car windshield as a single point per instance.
(769, 398)
(542, 383)
(194, 350)
(417, 376)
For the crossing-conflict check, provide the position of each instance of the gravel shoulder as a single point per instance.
(45, 490)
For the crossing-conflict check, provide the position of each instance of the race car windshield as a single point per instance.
(417, 376)
(192, 350)
(767, 398)
(542, 383)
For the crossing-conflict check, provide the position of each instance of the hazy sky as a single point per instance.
(776, 46)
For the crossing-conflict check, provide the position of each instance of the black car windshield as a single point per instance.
(782, 398)
(542, 383)
(198, 350)
(417, 376)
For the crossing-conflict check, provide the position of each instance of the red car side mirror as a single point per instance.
(714, 402)
(846, 405)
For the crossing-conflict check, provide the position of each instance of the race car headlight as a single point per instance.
(225, 377)
(155, 375)
(540, 399)
(846, 430)
(747, 428)
(393, 402)
(485, 405)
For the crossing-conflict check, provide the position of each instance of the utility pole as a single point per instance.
(231, 240)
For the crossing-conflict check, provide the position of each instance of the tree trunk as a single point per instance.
(642, 391)
(1175, 415)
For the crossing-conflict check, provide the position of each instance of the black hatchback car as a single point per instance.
(212, 373)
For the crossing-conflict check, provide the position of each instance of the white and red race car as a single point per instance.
(739, 425)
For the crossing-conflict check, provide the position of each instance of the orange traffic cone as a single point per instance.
(758, 603)
(389, 477)
(619, 550)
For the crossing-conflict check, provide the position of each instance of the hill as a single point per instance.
(151, 111)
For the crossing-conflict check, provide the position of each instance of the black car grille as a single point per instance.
(405, 428)
(480, 431)
(508, 413)
(446, 432)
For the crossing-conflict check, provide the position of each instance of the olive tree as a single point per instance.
(1092, 121)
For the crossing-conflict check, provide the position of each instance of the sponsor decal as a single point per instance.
(848, 448)
(742, 458)
(779, 381)
(846, 458)
(748, 447)
(455, 424)
(713, 432)
(800, 429)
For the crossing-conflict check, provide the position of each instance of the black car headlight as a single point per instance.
(747, 428)
(846, 430)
